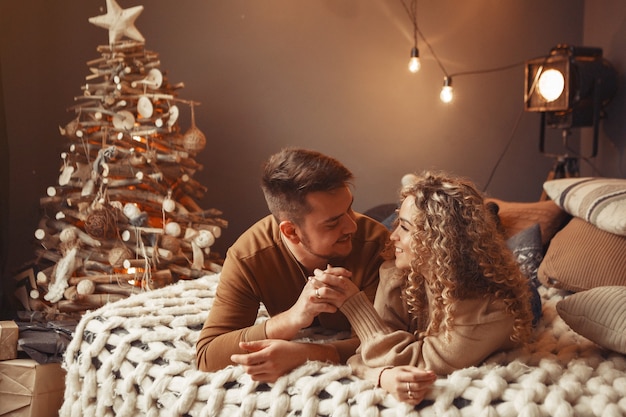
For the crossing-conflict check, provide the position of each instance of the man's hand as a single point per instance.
(309, 305)
(334, 285)
(407, 383)
(269, 359)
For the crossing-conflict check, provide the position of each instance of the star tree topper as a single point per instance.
(120, 22)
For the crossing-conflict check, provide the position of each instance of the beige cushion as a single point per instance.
(599, 315)
(518, 216)
(582, 256)
(600, 201)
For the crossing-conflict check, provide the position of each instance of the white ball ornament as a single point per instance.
(131, 211)
(169, 205)
(85, 287)
(204, 239)
(173, 229)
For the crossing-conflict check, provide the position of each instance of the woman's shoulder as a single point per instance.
(390, 276)
(389, 301)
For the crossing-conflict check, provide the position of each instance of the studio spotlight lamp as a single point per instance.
(570, 88)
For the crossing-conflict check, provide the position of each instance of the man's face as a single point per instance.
(327, 230)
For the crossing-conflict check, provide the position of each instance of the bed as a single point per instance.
(136, 356)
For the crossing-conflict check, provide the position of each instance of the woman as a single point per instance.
(453, 296)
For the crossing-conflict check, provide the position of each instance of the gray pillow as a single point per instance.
(528, 251)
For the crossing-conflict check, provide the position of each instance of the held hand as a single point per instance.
(269, 359)
(407, 383)
(309, 305)
(334, 285)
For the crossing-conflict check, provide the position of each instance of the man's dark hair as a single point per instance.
(291, 174)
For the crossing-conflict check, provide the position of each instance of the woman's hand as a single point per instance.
(408, 384)
(309, 305)
(334, 285)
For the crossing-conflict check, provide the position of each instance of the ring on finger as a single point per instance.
(408, 389)
(317, 293)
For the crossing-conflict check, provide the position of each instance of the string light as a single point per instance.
(447, 94)
(414, 61)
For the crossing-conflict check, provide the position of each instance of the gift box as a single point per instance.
(31, 389)
(9, 333)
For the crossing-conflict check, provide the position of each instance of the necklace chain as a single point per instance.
(300, 267)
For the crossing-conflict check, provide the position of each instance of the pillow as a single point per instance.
(600, 201)
(598, 314)
(381, 211)
(582, 256)
(528, 251)
(516, 217)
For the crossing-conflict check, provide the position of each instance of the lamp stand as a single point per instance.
(564, 167)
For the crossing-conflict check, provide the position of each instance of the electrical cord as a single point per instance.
(504, 151)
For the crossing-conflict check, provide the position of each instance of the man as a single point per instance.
(294, 261)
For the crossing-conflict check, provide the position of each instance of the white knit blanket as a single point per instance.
(136, 357)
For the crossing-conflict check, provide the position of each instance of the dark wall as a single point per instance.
(605, 26)
(329, 75)
(4, 202)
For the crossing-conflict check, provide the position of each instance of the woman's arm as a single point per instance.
(481, 328)
(406, 383)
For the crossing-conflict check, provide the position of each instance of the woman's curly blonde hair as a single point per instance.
(458, 253)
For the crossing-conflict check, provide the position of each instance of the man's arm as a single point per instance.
(231, 319)
(269, 359)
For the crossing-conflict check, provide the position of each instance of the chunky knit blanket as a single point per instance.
(136, 357)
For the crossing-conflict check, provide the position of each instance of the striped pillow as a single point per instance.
(598, 314)
(582, 256)
(599, 201)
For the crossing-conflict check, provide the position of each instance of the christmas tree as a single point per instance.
(123, 217)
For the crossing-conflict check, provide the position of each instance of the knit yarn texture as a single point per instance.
(136, 357)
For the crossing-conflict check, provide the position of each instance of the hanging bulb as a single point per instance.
(414, 62)
(446, 94)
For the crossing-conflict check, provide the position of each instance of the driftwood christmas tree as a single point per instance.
(123, 216)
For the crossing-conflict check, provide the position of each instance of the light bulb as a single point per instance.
(446, 94)
(551, 85)
(414, 62)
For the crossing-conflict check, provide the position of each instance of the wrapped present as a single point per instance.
(9, 333)
(30, 389)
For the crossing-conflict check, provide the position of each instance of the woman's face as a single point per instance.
(401, 236)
